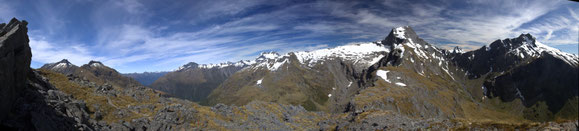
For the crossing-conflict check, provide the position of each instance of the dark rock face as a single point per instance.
(43, 107)
(521, 68)
(546, 79)
(28, 101)
(495, 57)
(15, 59)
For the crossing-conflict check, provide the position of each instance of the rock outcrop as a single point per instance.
(15, 59)
(29, 101)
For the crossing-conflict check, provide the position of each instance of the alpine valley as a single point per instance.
(399, 82)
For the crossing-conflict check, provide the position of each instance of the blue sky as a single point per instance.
(153, 35)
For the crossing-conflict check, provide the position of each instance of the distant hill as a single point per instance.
(146, 78)
(195, 82)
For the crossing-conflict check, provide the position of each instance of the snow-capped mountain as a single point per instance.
(362, 55)
(63, 66)
(192, 65)
(348, 77)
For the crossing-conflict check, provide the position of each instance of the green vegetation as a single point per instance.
(107, 105)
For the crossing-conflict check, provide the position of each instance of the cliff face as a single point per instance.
(15, 59)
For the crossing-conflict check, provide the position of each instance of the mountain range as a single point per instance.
(400, 82)
(146, 78)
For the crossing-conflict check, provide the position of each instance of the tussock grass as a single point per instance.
(106, 105)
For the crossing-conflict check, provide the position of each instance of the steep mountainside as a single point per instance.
(194, 82)
(542, 78)
(146, 78)
(403, 73)
(323, 80)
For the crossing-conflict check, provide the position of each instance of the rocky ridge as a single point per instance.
(94, 71)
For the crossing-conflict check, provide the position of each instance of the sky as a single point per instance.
(153, 35)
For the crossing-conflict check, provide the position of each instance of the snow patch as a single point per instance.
(376, 59)
(399, 32)
(383, 75)
(259, 81)
(276, 65)
(416, 49)
(96, 64)
(400, 84)
(401, 48)
(60, 65)
(362, 53)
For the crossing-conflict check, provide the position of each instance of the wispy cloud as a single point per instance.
(46, 51)
(147, 35)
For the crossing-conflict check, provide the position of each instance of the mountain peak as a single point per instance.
(269, 54)
(457, 50)
(400, 34)
(264, 56)
(63, 66)
(94, 63)
(189, 65)
(64, 61)
(513, 43)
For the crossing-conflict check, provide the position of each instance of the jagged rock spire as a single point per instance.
(15, 59)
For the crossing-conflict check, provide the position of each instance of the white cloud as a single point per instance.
(481, 22)
(44, 51)
(129, 32)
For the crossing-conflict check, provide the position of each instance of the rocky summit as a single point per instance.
(399, 83)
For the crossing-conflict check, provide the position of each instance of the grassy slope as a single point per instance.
(451, 100)
(204, 117)
(291, 84)
(107, 105)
